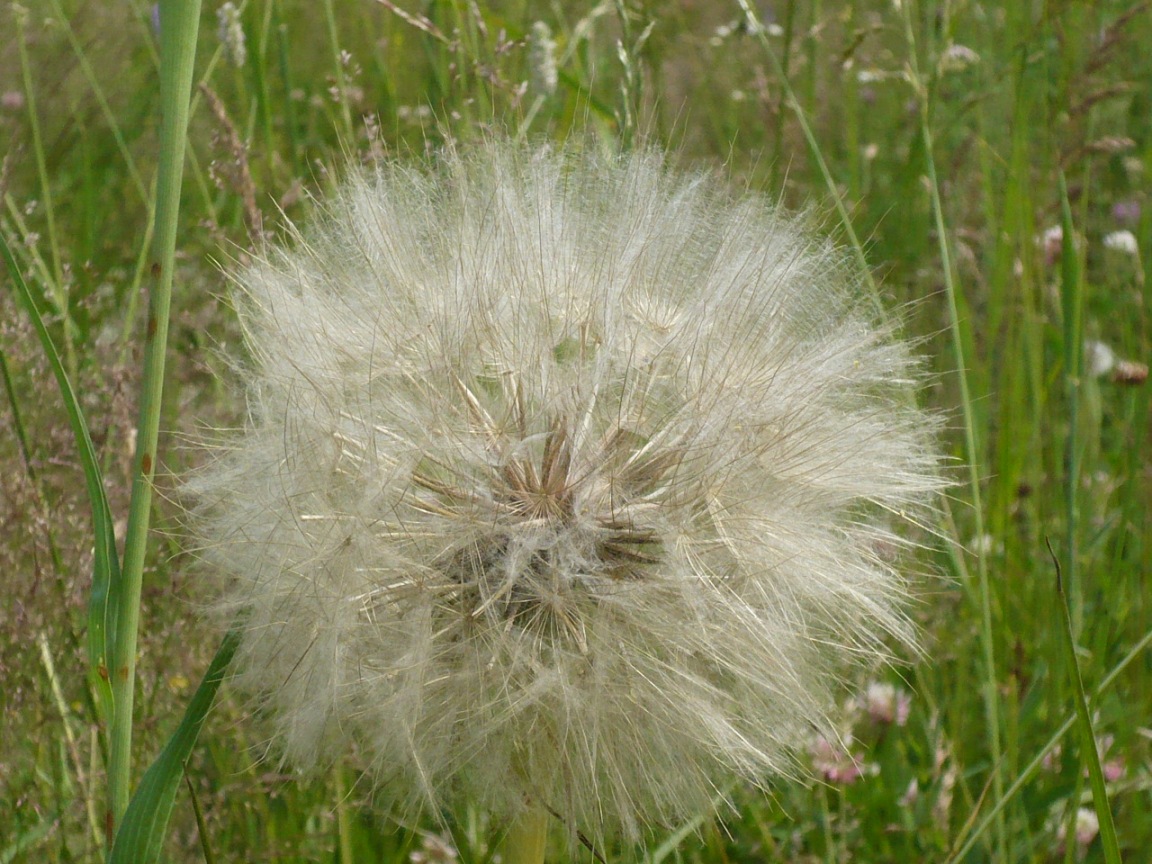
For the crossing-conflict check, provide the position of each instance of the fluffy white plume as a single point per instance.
(566, 480)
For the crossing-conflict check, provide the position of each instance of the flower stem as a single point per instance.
(527, 837)
(179, 22)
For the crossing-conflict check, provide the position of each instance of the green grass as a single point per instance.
(941, 169)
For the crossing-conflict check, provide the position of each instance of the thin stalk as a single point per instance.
(73, 746)
(761, 32)
(60, 295)
(291, 127)
(17, 420)
(201, 824)
(93, 80)
(341, 77)
(991, 697)
(180, 20)
(343, 817)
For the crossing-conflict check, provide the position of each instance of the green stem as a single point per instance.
(971, 442)
(343, 817)
(180, 21)
(527, 838)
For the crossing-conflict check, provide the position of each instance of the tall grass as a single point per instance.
(930, 137)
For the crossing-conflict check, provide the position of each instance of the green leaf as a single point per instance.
(1088, 754)
(145, 824)
(106, 566)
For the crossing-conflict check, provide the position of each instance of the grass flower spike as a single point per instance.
(568, 482)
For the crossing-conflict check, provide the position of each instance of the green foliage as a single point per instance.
(935, 132)
(142, 834)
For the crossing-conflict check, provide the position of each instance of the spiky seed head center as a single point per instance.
(556, 529)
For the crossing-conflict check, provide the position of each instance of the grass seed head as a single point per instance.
(567, 479)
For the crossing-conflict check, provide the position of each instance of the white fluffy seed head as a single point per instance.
(566, 480)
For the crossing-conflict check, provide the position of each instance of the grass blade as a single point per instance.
(1072, 302)
(106, 564)
(142, 832)
(970, 838)
(973, 450)
(761, 33)
(1089, 756)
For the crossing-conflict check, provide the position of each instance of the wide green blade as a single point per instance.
(145, 824)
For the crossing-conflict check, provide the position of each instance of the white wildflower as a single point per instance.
(1122, 241)
(985, 544)
(722, 32)
(434, 850)
(1099, 358)
(1087, 826)
(1051, 243)
(887, 704)
(563, 483)
(957, 58)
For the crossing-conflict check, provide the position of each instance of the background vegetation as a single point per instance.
(941, 130)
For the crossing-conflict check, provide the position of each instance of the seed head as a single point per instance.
(566, 480)
(231, 33)
(542, 59)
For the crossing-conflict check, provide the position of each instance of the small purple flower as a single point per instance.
(1126, 212)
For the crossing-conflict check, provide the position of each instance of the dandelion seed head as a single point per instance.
(566, 479)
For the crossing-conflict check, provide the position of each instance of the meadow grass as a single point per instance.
(981, 157)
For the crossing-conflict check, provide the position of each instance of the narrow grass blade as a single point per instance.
(971, 838)
(761, 33)
(1089, 756)
(106, 565)
(142, 832)
(1072, 307)
(201, 824)
(672, 842)
(959, 327)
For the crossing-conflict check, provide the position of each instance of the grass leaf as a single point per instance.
(1089, 755)
(142, 831)
(106, 564)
